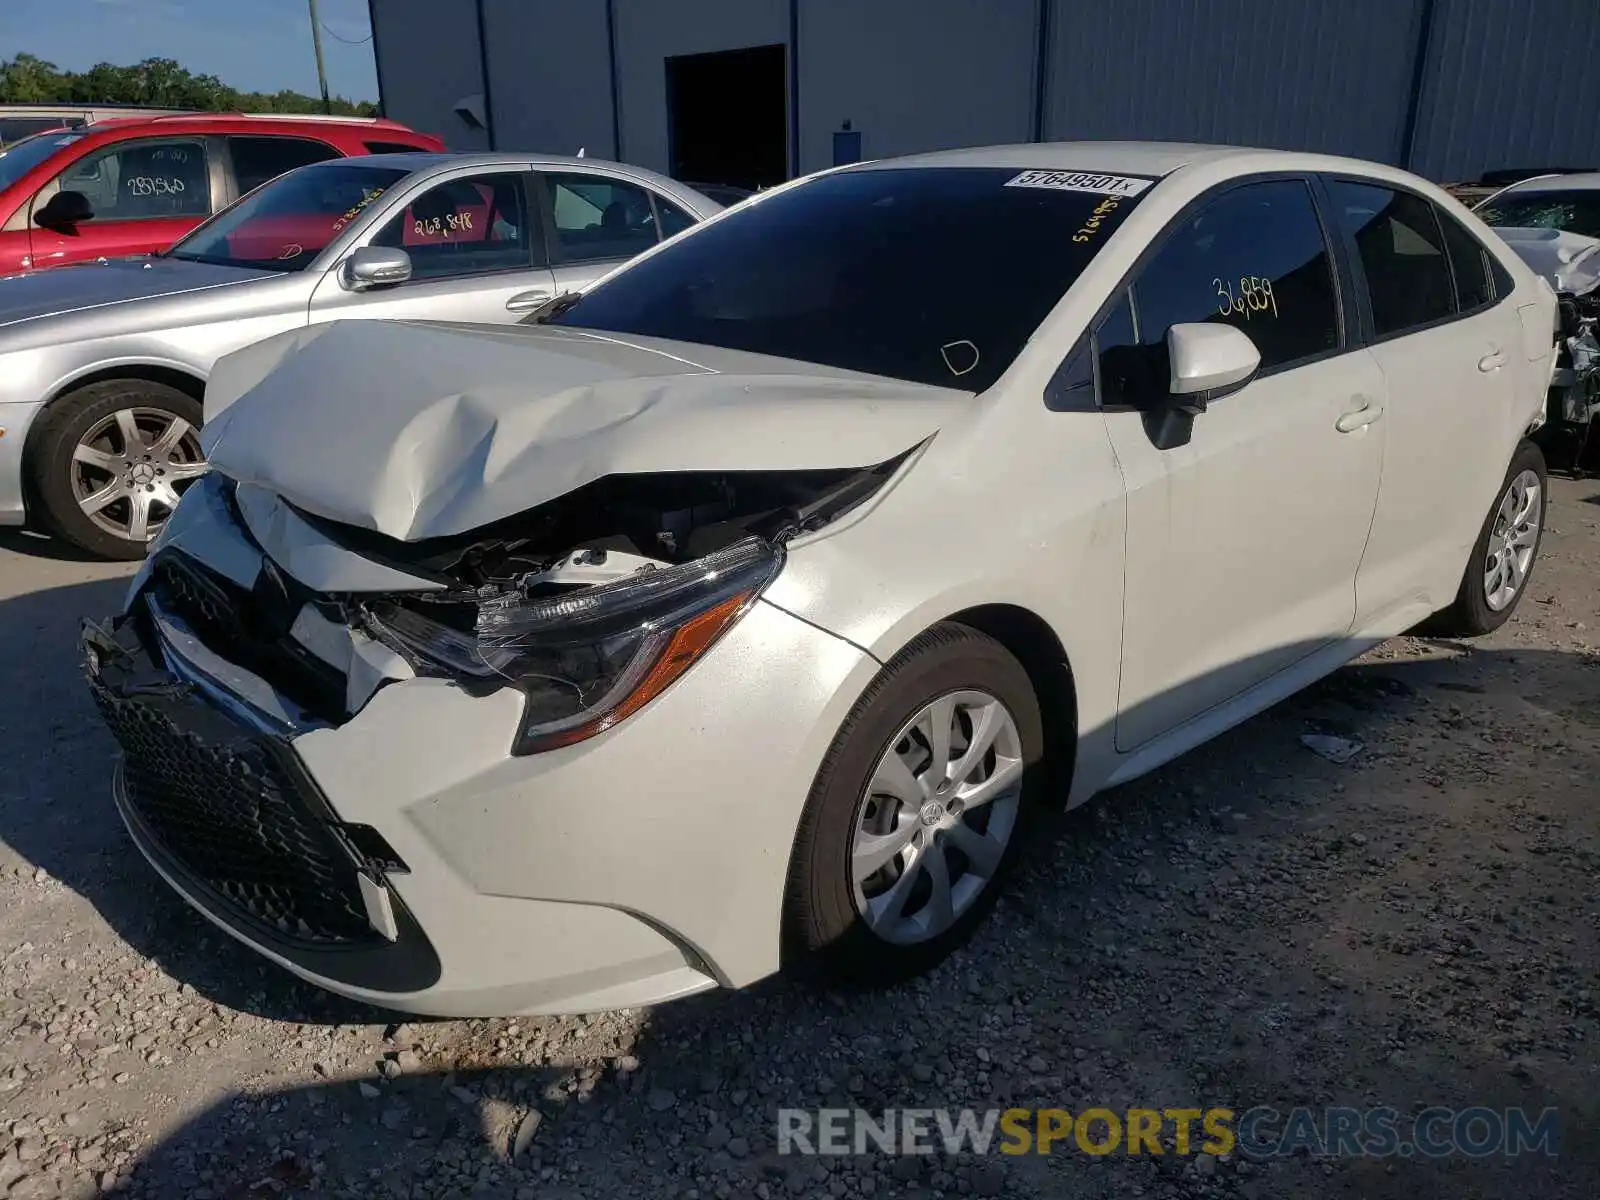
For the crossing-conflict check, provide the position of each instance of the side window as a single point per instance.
(673, 219)
(1402, 254)
(391, 148)
(597, 218)
(1121, 367)
(134, 181)
(1469, 263)
(468, 226)
(258, 159)
(1254, 258)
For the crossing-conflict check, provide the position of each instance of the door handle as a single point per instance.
(1492, 361)
(1359, 418)
(526, 301)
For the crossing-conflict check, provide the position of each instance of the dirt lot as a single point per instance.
(1252, 925)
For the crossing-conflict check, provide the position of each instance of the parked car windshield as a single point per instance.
(283, 225)
(936, 275)
(1575, 211)
(17, 159)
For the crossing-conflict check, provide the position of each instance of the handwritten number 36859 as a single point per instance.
(1255, 296)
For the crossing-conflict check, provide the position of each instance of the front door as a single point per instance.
(475, 256)
(1243, 545)
(145, 195)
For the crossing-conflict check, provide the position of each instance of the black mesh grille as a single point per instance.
(228, 807)
(250, 628)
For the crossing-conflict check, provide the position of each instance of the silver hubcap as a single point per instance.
(1512, 541)
(936, 817)
(129, 470)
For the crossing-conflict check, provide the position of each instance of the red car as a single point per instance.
(136, 185)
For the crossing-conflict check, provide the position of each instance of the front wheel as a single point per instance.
(1503, 556)
(918, 811)
(109, 461)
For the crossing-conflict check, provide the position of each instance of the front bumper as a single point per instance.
(645, 864)
(15, 420)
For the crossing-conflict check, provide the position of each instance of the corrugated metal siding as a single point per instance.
(1510, 83)
(551, 72)
(428, 64)
(1286, 74)
(914, 75)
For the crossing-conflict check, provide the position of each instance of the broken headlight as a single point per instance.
(587, 658)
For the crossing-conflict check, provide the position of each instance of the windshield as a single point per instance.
(17, 159)
(285, 224)
(1576, 211)
(936, 275)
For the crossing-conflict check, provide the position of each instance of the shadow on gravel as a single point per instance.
(39, 545)
(1196, 936)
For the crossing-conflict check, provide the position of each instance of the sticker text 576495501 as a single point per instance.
(1081, 181)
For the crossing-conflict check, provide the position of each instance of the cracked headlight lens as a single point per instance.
(588, 658)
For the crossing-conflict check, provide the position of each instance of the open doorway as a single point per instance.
(727, 117)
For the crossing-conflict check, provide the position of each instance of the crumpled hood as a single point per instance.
(60, 290)
(1570, 261)
(420, 430)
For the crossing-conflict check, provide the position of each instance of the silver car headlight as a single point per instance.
(589, 658)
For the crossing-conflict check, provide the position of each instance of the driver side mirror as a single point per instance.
(1207, 362)
(63, 211)
(375, 266)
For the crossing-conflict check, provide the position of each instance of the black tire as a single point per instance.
(1470, 614)
(54, 439)
(823, 929)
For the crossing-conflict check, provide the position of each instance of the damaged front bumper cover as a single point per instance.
(215, 796)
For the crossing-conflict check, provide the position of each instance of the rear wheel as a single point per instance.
(109, 461)
(918, 812)
(1503, 556)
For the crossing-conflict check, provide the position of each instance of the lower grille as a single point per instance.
(234, 810)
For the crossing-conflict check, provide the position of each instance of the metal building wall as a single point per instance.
(426, 64)
(913, 75)
(1292, 74)
(1510, 83)
(550, 73)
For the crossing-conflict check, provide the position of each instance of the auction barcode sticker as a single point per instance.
(1081, 181)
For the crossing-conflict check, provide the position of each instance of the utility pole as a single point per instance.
(316, 42)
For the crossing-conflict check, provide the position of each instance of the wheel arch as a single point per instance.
(1031, 640)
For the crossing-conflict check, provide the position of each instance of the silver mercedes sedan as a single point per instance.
(103, 366)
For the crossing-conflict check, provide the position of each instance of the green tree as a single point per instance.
(155, 82)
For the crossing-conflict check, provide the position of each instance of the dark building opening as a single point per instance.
(727, 117)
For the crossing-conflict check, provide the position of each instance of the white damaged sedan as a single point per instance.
(745, 609)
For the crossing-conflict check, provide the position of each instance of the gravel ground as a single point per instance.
(1251, 925)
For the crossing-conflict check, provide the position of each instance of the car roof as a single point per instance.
(1587, 181)
(184, 118)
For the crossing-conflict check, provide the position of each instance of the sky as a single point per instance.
(252, 45)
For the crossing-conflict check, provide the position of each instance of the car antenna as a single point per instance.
(580, 151)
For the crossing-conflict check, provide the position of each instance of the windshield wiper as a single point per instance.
(553, 308)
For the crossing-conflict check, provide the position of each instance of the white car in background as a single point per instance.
(750, 605)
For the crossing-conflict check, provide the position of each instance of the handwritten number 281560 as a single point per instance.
(1255, 296)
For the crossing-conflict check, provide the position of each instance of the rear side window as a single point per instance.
(1254, 258)
(258, 159)
(1469, 263)
(673, 219)
(390, 148)
(597, 218)
(1402, 254)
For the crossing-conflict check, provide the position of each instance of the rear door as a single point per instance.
(146, 193)
(1450, 353)
(476, 255)
(595, 223)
